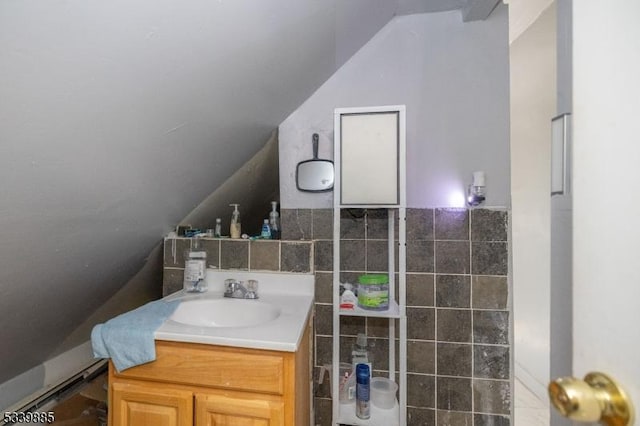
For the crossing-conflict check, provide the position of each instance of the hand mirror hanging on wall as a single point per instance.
(315, 175)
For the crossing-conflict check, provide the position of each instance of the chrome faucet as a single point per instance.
(237, 290)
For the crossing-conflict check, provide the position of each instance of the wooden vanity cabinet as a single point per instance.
(229, 410)
(147, 404)
(206, 385)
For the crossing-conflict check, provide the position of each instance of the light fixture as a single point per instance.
(476, 192)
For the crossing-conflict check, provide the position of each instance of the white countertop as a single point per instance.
(291, 293)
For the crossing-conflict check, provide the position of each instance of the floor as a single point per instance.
(87, 407)
(529, 409)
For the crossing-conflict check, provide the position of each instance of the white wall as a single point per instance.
(523, 13)
(454, 79)
(533, 104)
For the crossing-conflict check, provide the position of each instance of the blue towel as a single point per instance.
(128, 338)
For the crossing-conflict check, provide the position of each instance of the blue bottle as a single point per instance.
(363, 388)
(266, 230)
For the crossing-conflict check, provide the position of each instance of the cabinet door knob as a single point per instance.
(595, 398)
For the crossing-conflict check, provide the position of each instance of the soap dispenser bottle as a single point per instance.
(266, 230)
(235, 229)
(274, 221)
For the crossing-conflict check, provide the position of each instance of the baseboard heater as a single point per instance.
(59, 391)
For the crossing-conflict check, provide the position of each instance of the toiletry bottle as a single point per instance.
(266, 230)
(195, 267)
(274, 221)
(360, 353)
(348, 299)
(235, 230)
(363, 387)
(218, 229)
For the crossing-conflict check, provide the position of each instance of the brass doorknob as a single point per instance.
(595, 398)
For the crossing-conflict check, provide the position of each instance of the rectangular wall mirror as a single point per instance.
(369, 148)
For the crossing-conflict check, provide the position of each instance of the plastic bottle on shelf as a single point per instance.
(274, 221)
(266, 230)
(235, 230)
(363, 391)
(195, 267)
(359, 353)
(218, 229)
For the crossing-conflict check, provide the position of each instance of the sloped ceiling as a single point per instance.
(118, 117)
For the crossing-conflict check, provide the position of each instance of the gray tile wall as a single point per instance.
(458, 319)
(245, 255)
(458, 351)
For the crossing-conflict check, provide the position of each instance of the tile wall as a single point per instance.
(458, 318)
(244, 255)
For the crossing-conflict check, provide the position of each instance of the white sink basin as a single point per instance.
(225, 313)
(275, 322)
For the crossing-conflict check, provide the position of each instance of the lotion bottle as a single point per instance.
(274, 221)
(235, 230)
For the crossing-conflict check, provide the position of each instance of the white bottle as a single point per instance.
(218, 230)
(235, 230)
(361, 354)
(274, 221)
(195, 267)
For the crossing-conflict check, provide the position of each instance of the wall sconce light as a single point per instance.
(476, 192)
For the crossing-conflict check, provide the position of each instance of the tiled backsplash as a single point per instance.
(458, 320)
(458, 352)
(245, 255)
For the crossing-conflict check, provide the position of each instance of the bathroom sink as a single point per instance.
(225, 313)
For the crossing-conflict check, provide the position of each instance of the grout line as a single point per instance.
(280, 256)
(435, 319)
(220, 254)
(249, 256)
(473, 337)
(410, 240)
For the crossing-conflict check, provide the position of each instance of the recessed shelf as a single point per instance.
(379, 416)
(392, 312)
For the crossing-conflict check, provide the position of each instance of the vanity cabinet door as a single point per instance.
(137, 405)
(224, 410)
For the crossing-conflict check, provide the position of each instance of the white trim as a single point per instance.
(363, 110)
(37, 381)
(68, 363)
(537, 388)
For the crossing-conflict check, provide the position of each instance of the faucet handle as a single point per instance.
(230, 285)
(252, 289)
